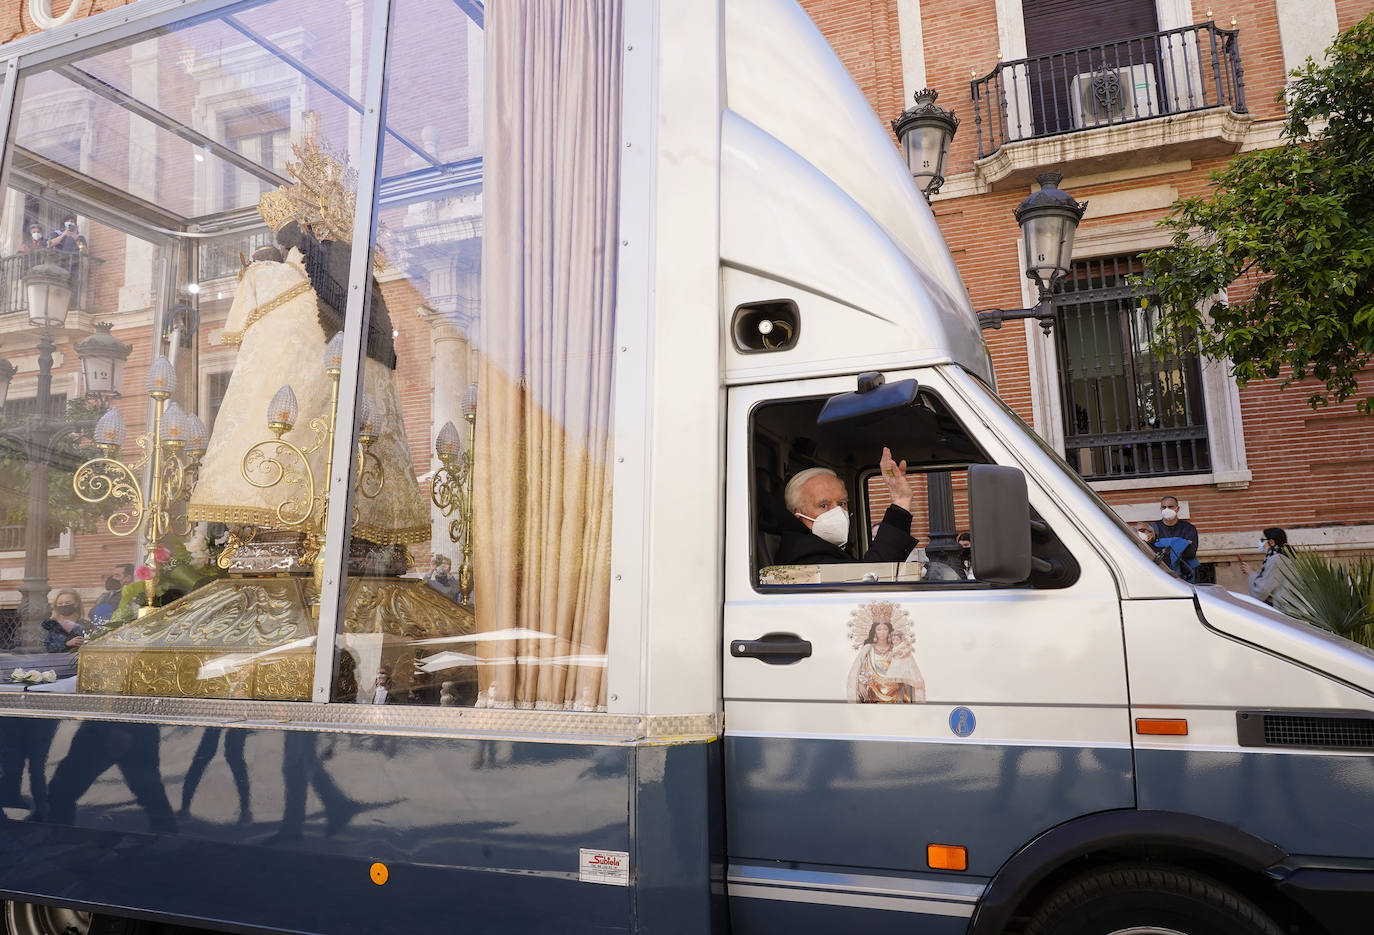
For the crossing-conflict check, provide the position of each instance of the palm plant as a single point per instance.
(1333, 596)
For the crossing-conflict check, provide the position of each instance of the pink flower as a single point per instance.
(161, 555)
(143, 573)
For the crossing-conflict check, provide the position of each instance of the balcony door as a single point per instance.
(1091, 82)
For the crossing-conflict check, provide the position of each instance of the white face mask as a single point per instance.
(1262, 546)
(1168, 513)
(1144, 536)
(832, 526)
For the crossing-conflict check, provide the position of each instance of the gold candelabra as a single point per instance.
(451, 486)
(276, 461)
(171, 452)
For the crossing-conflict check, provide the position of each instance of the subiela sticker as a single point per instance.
(609, 867)
(885, 670)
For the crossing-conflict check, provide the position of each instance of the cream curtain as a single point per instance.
(542, 492)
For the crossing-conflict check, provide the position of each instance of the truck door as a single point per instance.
(895, 730)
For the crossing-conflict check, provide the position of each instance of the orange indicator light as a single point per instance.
(379, 873)
(1172, 727)
(947, 857)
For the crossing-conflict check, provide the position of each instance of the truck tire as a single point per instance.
(1139, 899)
(18, 918)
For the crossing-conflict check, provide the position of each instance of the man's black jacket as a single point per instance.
(893, 543)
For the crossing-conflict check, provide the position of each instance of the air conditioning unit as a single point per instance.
(1113, 95)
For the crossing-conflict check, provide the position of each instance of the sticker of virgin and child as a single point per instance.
(884, 670)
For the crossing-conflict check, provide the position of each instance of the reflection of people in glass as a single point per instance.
(301, 765)
(25, 741)
(98, 745)
(885, 671)
(233, 755)
(65, 631)
(440, 580)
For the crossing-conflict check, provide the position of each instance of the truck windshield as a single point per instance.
(1069, 472)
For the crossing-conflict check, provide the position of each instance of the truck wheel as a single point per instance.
(1148, 900)
(32, 919)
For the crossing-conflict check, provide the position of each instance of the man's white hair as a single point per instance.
(791, 495)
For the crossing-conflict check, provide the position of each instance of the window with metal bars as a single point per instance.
(1129, 411)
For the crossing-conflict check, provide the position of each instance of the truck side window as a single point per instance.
(824, 511)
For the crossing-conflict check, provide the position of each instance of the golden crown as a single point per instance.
(322, 198)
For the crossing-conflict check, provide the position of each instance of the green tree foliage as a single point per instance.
(1294, 225)
(65, 508)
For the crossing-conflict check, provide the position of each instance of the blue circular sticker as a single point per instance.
(962, 722)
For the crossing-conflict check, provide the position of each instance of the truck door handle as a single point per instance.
(777, 649)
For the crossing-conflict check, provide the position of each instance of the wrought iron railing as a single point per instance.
(1129, 410)
(14, 267)
(224, 256)
(12, 537)
(1171, 72)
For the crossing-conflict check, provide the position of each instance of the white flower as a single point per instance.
(196, 545)
(18, 675)
(50, 676)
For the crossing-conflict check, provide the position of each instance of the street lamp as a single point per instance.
(925, 131)
(102, 362)
(49, 291)
(1048, 220)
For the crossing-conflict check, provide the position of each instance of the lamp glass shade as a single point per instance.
(110, 430)
(448, 443)
(468, 406)
(174, 427)
(197, 435)
(283, 407)
(162, 378)
(333, 353)
(6, 375)
(367, 415)
(49, 291)
(925, 145)
(1048, 239)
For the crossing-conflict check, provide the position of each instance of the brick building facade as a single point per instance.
(1269, 460)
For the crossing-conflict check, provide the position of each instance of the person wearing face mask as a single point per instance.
(65, 631)
(66, 238)
(34, 242)
(819, 501)
(1175, 538)
(1270, 583)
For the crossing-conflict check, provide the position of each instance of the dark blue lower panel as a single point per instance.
(1307, 804)
(679, 840)
(767, 916)
(244, 885)
(279, 829)
(877, 804)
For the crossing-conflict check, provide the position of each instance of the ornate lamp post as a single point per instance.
(925, 131)
(451, 486)
(49, 292)
(1048, 221)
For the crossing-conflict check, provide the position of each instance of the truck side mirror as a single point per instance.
(999, 523)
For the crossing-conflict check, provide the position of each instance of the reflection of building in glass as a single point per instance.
(163, 147)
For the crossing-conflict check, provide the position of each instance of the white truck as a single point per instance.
(1059, 739)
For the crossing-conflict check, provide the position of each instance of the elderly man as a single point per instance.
(819, 501)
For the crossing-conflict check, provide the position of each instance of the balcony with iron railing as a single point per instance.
(1176, 94)
(15, 266)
